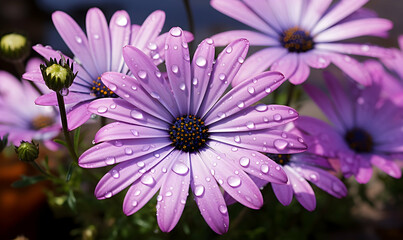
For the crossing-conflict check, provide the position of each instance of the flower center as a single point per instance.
(359, 140)
(296, 40)
(281, 159)
(188, 133)
(41, 121)
(100, 90)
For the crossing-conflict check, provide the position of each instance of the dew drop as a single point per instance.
(110, 160)
(180, 168)
(175, 69)
(291, 112)
(241, 104)
(112, 87)
(280, 144)
(108, 194)
(234, 149)
(102, 109)
(237, 139)
(64, 92)
(250, 125)
(176, 32)
(199, 190)
(229, 49)
(261, 108)
(134, 203)
(201, 61)
(336, 187)
(195, 81)
(128, 151)
(241, 60)
(112, 106)
(137, 193)
(78, 39)
(183, 201)
(277, 117)
(222, 76)
(313, 177)
(244, 161)
(221, 115)
(168, 194)
(182, 86)
(234, 181)
(264, 168)
(96, 36)
(365, 48)
(136, 114)
(159, 198)
(152, 46)
(115, 174)
(142, 74)
(147, 180)
(121, 21)
(223, 209)
(251, 90)
(268, 90)
(209, 41)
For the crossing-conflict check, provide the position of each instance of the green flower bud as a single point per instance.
(58, 75)
(14, 47)
(3, 142)
(27, 151)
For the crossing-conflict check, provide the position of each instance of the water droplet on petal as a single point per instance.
(159, 198)
(152, 46)
(280, 144)
(221, 115)
(251, 90)
(209, 41)
(136, 114)
(108, 195)
(277, 117)
(261, 108)
(141, 164)
(78, 39)
(121, 21)
(112, 106)
(201, 61)
(336, 187)
(176, 32)
(112, 87)
(234, 149)
(128, 151)
(102, 109)
(313, 177)
(175, 69)
(195, 81)
(64, 92)
(115, 174)
(223, 209)
(241, 60)
(182, 86)
(147, 180)
(222, 76)
(96, 36)
(180, 168)
(134, 203)
(264, 168)
(237, 139)
(110, 160)
(137, 193)
(229, 49)
(268, 90)
(244, 161)
(365, 48)
(199, 190)
(142, 74)
(250, 125)
(168, 194)
(241, 104)
(234, 181)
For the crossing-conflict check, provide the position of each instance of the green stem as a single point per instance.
(66, 133)
(290, 95)
(41, 170)
(190, 18)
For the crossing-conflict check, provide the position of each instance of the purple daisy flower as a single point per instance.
(20, 118)
(98, 52)
(181, 131)
(366, 130)
(303, 34)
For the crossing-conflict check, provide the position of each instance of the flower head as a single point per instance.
(14, 47)
(58, 75)
(365, 130)
(20, 117)
(182, 131)
(302, 34)
(27, 151)
(98, 52)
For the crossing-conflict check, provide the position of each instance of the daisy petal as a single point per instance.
(78, 115)
(149, 30)
(145, 188)
(119, 151)
(135, 94)
(316, 59)
(173, 193)
(302, 190)
(119, 28)
(119, 130)
(357, 49)
(351, 67)
(208, 196)
(287, 65)
(258, 62)
(313, 12)
(125, 173)
(178, 68)
(75, 39)
(283, 192)
(233, 55)
(365, 170)
(232, 179)
(254, 38)
(99, 38)
(150, 78)
(201, 74)
(255, 118)
(121, 110)
(386, 165)
(50, 99)
(248, 92)
(301, 73)
(252, 162)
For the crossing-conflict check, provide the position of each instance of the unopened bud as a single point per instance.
(58, 75)
(27, 151)
(14, 47)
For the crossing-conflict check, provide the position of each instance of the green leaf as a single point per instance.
(46, 163)
(70, 171)
(76, 138)
(71, 200)
(59, 141)
(27, 180)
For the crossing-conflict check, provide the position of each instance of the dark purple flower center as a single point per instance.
(296, 40)
(41, 121)
(100, 90)
(359, 140)
(281, 159)
(188, 133)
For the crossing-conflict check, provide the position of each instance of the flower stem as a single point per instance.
(66, 133)
(190, 18)
(41, 170)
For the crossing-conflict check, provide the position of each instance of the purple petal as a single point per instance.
(283, 192)
(119, 130)
(121, 110)
(78, 115)
(287, 65)
(50, 99)
(144, 188)
(226, 67)
(150, 78)
(201, 74)
(386, 165)
(312, 160)
(353, 29)
(119, 151)
(120, 30)
(131, 91)
(232, 179)
(323, 179)
(255, 118)
(365, 170)
(239, 11)
(302, 190)
(337, 13)
(313, 12)
(177, 62)
(258, 62)
(149, 30)
(76, 40)
(208, 196)
(173, 193)
(271, 141)
(247, 92)
(99, 38)
(316, 59)
(254, 38)
(267, 11)
(252, 162)
(125, 173)
(356, 49)
(301, 72)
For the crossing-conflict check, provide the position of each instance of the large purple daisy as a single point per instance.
(98, 52)
(366, 130)
(300, 34)
(181, 131)
(20, 118)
